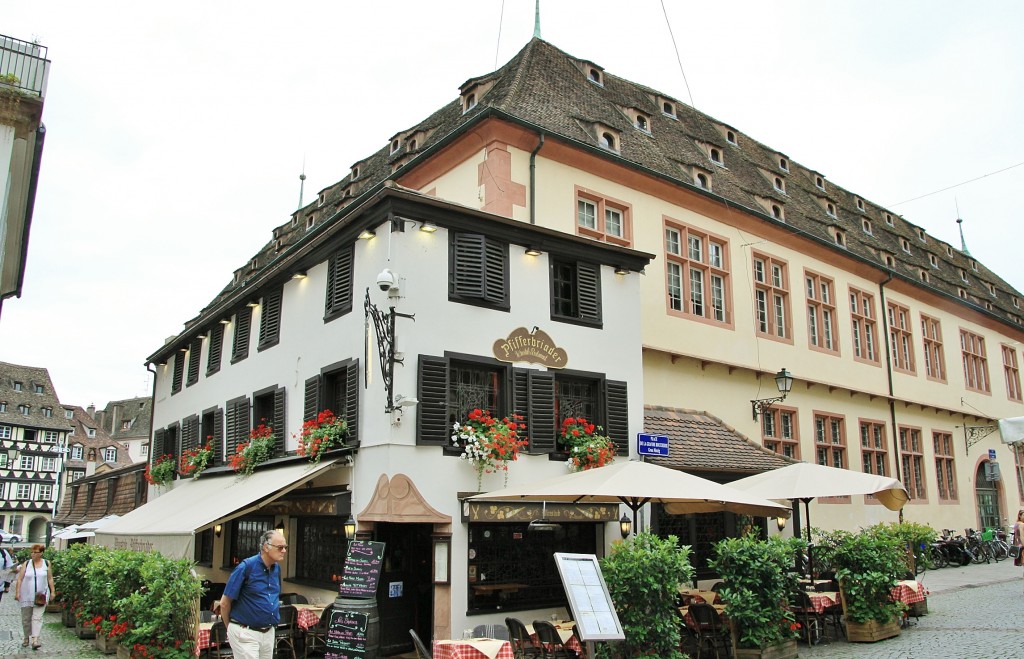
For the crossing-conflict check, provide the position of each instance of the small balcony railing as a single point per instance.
(23, 66)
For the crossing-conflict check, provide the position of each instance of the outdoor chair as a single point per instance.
(522, 645)
(498, 631)
(205, 615)
(219, 648)
(551, 644)
(286, 631)
(811, 622)
(421, 650)
(717, 586)
(316, 636)
(709, 629)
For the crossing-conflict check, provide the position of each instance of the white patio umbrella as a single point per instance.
(637, 483)
(98, 523)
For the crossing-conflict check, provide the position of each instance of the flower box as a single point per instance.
(104, 644)
(783, 650)
(67, 616)
(54, 607)
(124, 652)
(84, 632)
(871, 631)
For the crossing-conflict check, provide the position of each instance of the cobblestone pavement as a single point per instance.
(974, 612)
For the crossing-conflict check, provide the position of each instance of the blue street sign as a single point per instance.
(991, 454)
(647, 444)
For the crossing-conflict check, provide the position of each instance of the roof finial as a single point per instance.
(960, 225)
(302, 180)
(536, 20)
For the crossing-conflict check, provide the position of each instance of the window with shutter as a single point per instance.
(240, 341)
(212, 432)
(190, 433)
(236, 424)
(576, 292)
(478, 270)
(270, 320)
(335, 389)
(268, 407)
(432, 427)
(339, 283)
(213, 355)
(194, 351)
(616, 405)
(311, 399)
(159, 436)
(179, 371)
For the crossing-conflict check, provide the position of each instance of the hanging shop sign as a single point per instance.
(534, 347)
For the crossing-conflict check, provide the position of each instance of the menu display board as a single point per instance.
(589, 601)
(346, 635)
(362, 569)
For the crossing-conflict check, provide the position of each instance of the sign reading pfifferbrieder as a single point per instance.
(534, 347)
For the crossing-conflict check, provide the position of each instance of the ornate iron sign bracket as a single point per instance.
(384, 328)
(974, 434)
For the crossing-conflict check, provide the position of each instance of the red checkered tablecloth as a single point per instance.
(909, 592)
(307, 616)
(203, 638)
(823, 600)
(470, 649)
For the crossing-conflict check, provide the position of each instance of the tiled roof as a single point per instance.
(700, 442)
(101, 440)
(29, 377)
(136, 411)
(113, 493)
(548, 90)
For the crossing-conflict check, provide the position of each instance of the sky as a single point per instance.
(176, 132)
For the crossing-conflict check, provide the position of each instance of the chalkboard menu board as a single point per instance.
(362, 569)
(346, 635)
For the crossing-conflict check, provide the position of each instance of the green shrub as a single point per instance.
(868, 565)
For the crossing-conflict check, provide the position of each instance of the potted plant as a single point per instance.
(195, 461)
(587, 447)
(161, 471)
(256, 451)
(487, 443)
(868, 565)
(321, 434)
(758, 579)
(643, 575)
(161, 611)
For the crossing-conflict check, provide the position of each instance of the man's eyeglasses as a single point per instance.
(281, 547)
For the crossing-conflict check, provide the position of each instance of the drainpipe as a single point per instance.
(533, 180)
(152, 411)
(888, 373)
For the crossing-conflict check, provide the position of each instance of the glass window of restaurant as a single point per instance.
(512, 568)
(320, 551)
(245, 538)
(702, 530)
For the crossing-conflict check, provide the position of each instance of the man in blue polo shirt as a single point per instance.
(251, 602)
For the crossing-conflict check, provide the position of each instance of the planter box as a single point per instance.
(104, 644)
(918, 609)
(54, 607)
(67, 617)
(871, 631)
(784, 650)
(82, 632)
(124, 652)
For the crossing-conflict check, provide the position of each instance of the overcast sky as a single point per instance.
(176, 132)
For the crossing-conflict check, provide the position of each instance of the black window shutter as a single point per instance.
(237, 425)
(311, 399)
(270, 319)
(158, 444)
(190, 433)
(339, 282)
(495, 272)
(240, 343)
(588, 277)
(179, 371)
(216, 349)
(432, 412)
(218, 436)
(521, 394)
(616, 405)
(543, 426)
(280, 422)
(352, 401)
(467, 270)
(194, 351)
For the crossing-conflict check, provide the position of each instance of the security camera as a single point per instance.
(387, 280)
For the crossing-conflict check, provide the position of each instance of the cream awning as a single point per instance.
(168, 523)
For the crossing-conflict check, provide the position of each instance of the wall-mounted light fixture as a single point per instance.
(619, 270)
(350, 528)
(625, 526)
(301, 274)
(200, 336)
(217, 530)
(279, 526)
(252, 304)
(225, 321)
(532, 251)
(781, 523)
(784, 382)
(428, 227)
(367, 234)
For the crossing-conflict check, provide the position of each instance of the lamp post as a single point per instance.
(784, 382)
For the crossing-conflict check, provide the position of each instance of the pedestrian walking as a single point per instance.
(251, 602)
(33, 590)
(8, 571)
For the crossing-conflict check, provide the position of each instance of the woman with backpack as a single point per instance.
(33, 590)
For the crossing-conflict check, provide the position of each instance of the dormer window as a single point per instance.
(949, 251)
(395, 145)
(890, 261)
(90, 432)
(1016, 302)
(962, 293)
(18, 386)
(777, 213)
(48, 412)
(310, 221)
(963, 274)
(412, 145)
(866, 226)
(355, 173)
(888, 219)
(819, 182)
(730, 137)
(38, 388)
(783, 164)
(24, 409)
(924, 275)
(642, 123)
(860, 203)
(321, 199)
(830, 208)
(594, 76)
(702, 180)
(991, 289)
(933, 260)
(69, 414)
(840, 237)
(469, 103)
(668, 109)
(921, 235)
(905, 245)
(608, 141)
(974, 265)
(780, 185)
(988, 306)
(716, 156)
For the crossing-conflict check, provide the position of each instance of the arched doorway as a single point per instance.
(986, 494)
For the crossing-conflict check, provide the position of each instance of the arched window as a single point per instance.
(641, 122)
(608, 141)
(702, 181)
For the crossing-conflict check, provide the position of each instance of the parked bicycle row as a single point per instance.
(973, 546)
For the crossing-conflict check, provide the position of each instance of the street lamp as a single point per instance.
(784, 382)
(350, 528)
(625, 526)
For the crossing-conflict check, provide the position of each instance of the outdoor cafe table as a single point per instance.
(307, 615)
(203, 638)
(697, 596)
(477, 648)
(909, 592)
(823, 600)
(564, 629)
